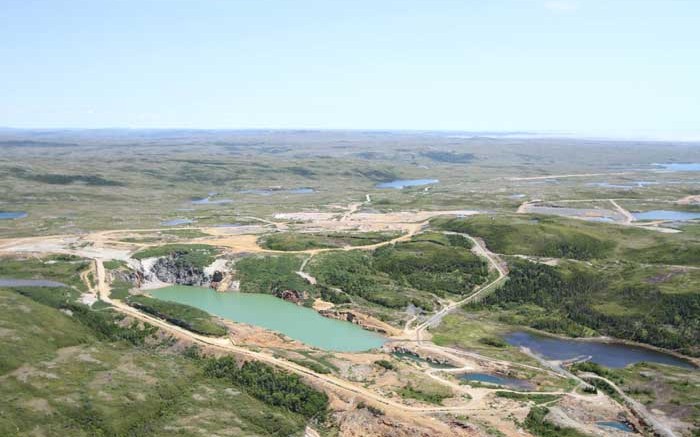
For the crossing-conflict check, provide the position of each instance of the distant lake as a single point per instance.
(404, 183)
(11, 215)
(615, 355)
(681, 166)
(603, 219)
(177, 222)
(209, 201)
(4, 282)
(662, 214)
(632, 185)
(271, 191)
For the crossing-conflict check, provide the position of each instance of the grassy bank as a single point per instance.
(63, 377)
(190, 318)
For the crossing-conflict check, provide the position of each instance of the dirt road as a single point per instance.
(481, 250)
(224, 344)
(629, 218)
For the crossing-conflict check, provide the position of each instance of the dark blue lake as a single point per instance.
(615, 355)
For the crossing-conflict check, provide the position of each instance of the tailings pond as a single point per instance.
(297, 322)
(615, 355)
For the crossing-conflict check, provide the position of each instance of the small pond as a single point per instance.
(604, 219)
(11, 215)
(297, 322)
(621, 426)
(680, 166)
(8, 282)
(496, 379)
(632, 185)
(662, 214)
(405, 183)
(210, 201)
(615, 355)
(177, 222)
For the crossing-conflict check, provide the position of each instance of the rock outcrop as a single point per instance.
(293, 296)
(172, 269)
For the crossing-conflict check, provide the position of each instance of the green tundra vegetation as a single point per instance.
(670, 389)
(120, 289)
(558, 237)
(294, 241)
(412, 272)
(580, 300)
(539, 235)
(425, 390)
(273, 387)
(196, 255)
(82, 372)
(536, 424)
(65, 269)
(538, 398)
(190, 318)
(65, 179)
(444, 239)
(271, 274)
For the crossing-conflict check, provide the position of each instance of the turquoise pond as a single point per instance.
(297, 322)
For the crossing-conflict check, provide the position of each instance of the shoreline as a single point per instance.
(694, 361)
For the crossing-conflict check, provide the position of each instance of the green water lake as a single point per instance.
(297, 322)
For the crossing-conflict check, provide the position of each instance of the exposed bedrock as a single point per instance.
(172, 269)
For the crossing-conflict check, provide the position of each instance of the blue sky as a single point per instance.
(555, 65)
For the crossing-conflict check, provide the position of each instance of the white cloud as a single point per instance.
(561, 5)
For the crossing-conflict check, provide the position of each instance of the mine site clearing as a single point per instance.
(256, 343)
